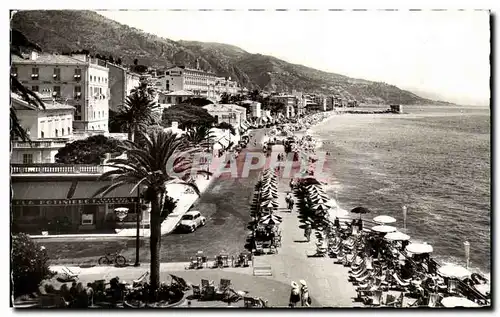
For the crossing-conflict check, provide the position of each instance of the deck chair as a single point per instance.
(180, 281)
(141, 280)
(68, 275)
(223, 288)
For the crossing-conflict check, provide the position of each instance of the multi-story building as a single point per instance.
(197, 81)
(175, 97)
(77, 80)
(49, 130)
(121, 82)
(233, 114)
(290, 103)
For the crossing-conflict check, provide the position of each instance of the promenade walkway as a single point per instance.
(327, 282)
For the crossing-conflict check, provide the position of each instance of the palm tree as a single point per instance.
(199, 136)
(153, 165)
(135, 115)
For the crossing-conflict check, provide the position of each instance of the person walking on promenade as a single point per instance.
(307, 232)
(289, 201)
(305, 299)
(294, 295)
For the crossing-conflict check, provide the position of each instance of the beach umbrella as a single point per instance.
(455, 301)
(320, 207)
(384, 229)
(384, 219)
(275, 218)
(360, 211)
(319, 200)
(419, 248)
(397, 236)
(452, 270)
(269, 222)
(269, 204)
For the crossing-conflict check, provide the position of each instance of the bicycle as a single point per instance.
(112, 259)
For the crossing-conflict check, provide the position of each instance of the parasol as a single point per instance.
(269, 204)
(397, 236)
(419, 248)
(384, 229)
(275, 218)
(452, 270)
(455, 301)
(384, 219)
(269, 221)
(360, 211)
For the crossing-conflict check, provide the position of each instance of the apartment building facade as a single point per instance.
(49, 130)
(197, 81)
(290, 102)
(121, 82)
(76, 80)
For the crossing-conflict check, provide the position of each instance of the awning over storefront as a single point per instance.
(40, 190)
(68, 193)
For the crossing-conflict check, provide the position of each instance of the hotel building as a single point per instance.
(77, 80)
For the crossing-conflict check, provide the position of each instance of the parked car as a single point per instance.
(192, 220)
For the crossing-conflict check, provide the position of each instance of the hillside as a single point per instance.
(56, 31)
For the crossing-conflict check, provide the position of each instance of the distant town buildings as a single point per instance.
(233, 114)
(48, 129)
(77, 80)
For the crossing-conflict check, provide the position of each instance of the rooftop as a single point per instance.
(48, 59)
(48, 101)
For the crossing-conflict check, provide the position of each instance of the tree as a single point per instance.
(199, 136)
(226, 126)
(187, 116)
(145, 89)
(153, 165)
(88, 151)
(136, 114)
(119, 61)
(255, 95)
(197, 101)
(111, 59)
(136, 62)
(29, 265)
(224, 98)
(18, 43)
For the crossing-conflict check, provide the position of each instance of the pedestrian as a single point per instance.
(90, 295)
(294, 295)
(307, 232)
(305, 299)
(291, 184)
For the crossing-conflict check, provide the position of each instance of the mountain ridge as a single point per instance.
(56, 31)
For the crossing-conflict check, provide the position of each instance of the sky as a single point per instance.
(442, 53)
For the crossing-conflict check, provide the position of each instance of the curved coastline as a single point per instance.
(446, 258)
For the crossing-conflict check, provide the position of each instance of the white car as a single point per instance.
(192, 220)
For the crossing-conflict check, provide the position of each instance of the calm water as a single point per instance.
(435, 160)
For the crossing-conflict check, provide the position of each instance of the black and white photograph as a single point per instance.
(250, 158)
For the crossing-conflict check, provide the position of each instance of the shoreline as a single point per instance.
(442, 258)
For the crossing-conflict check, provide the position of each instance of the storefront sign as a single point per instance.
(88, 201)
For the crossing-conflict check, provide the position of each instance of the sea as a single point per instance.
(436, 160)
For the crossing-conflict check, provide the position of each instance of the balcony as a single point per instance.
(55, 168)
(39, 144)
